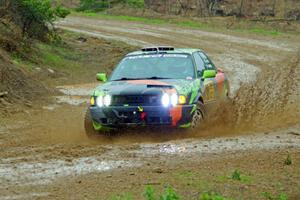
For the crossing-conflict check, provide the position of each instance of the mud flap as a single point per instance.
(99, 127)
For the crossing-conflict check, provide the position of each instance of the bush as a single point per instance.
(93, 5)
(36, 17)
(236, 175)
(136, 3)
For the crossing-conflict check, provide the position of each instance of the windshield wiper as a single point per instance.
(157, 77)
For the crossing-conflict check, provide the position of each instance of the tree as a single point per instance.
(210, 6)
(35, 17)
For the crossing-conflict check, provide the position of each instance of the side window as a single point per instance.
(208, 63)
(199, 62)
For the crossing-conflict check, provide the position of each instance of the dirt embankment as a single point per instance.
(17, 87)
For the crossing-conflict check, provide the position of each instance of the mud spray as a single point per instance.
(273, 101)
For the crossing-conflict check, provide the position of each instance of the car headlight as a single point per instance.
(165, 100)
(107, 100)
(174, 99)
(99, 101)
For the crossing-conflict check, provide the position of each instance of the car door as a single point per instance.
(219, 81)
(209, 89)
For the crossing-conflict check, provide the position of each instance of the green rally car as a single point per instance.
(156, 86)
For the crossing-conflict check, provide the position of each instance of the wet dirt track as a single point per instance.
(43, 152)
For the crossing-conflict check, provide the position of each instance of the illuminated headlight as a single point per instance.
(165, 100)
(107, 100)
(174, 99)
(99, 101)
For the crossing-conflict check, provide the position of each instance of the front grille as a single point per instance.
(135, 100)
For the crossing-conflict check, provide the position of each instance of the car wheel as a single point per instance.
(198, 116)
(88, 126)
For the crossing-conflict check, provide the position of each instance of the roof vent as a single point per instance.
(161, 48)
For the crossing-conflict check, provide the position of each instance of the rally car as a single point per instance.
(156, 86)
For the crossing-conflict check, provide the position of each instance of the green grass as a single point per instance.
(122, 17)
(181, 23)
(212, 196)
(169, 194)
(235, 176)
(269, 196)
(58, 57)
(288, 160)
(191, 180)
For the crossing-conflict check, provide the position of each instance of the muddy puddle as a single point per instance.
(75, 94)
(37, 171)
(41, 173)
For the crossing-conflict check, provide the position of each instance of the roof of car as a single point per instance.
(174, 50)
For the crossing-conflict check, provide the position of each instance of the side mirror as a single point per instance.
(209, 74)
(101, 77)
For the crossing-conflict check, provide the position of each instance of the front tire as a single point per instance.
(198, 116)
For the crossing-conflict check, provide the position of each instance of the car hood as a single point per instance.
(146, 87)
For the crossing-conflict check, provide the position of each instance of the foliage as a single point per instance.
(270, 196)
(35, 17)
(169, 194)
(135, 3)
(236, 175)
(93, 5)
(149, 193)
(211, 196)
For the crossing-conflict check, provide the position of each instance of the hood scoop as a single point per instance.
(160, 86)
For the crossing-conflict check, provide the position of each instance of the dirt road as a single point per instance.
(45, 154)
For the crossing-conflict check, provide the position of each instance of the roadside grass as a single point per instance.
(169, 194)
(192, 180)
(269, 196)
(212, 196)
(235, 176)
(75, 58)
(59, 56)
(182, 23)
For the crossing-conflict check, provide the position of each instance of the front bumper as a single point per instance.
(118, 116)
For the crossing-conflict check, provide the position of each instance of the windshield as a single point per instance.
(155, 66)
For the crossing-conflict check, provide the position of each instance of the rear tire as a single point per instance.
(89, 127)
(198, 116)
